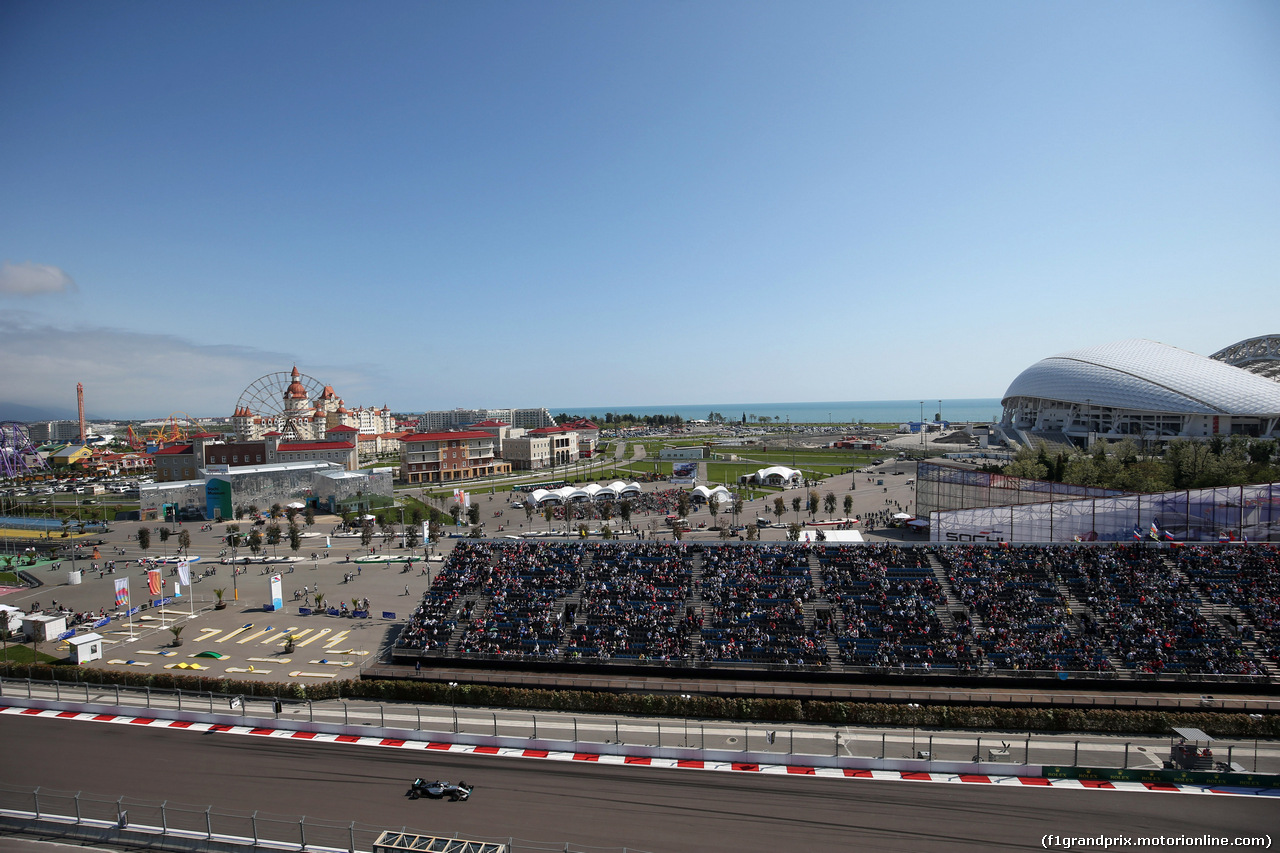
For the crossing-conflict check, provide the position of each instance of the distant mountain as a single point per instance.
(19, 412)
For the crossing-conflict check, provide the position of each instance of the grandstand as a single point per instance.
(1137, 611)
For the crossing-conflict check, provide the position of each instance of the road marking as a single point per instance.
(337, 638)
(207, 634)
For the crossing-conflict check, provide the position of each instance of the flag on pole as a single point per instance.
(154, 582)
(1223, 539)
(1167, 535)
(184, 573)
(1137, 534)
(122, 592)
(1155, 530)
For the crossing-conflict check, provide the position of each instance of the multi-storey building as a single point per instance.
(438, 457)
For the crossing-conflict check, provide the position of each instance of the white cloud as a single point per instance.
(28, 279)
(128, 374)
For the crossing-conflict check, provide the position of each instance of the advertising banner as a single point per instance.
(277, 596)
(154, 582)
(122, 592)
(684, 472)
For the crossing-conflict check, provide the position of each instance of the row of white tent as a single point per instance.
(617, 490)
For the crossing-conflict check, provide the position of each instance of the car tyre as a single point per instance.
(413, 795)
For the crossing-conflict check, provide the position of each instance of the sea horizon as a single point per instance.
(959, 410)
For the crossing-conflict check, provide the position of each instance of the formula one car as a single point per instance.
(438, 790)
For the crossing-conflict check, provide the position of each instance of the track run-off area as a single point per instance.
(600, 802)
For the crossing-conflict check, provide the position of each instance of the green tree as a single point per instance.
(366, 533)
(290, 513)
(812, 503)
(411, 537)
(713, 506)
(473, 514)
(276, 511)
(848, 506)
(184, 539)
(624, 511)
(309, 516)
(455, 512)
(779, 507)
(295, 537)
(829, 502)
(164, 539)
(549, 512)
(795, 506)
(682, 504)
(255, 541)
(793, 532)
(528, 511)
(273, 538)
(144, 539)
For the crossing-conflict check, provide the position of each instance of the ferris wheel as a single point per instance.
(18, 456)
(265, 398)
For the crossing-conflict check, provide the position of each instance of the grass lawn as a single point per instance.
(24, 654)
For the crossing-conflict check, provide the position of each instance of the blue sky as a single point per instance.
(441, 204)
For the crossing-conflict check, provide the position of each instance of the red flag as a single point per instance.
(153, 581)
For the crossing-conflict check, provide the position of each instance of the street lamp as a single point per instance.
(1257, 718)
(686, 697)
(914, 722)
(453, 706)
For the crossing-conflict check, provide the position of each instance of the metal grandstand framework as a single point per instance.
(1225, 514)
(951, 487)
(395, 842)
(1260, 355)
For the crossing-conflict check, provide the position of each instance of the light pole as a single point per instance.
(453, 706)
(686, 697)
(914, 722)
(1257, 718)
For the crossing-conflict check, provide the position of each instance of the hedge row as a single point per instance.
(1108, 720)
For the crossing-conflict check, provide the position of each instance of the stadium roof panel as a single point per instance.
(1149, 376)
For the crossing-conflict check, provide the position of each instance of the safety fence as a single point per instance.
(917, 745)
(178, 826)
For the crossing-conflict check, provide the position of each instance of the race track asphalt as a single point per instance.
(644, 809)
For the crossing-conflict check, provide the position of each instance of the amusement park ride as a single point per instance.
(177, 428)
(18, 456)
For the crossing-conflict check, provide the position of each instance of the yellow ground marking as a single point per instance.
(269, 660)
(337, 638)
(152, 652)
(129, 663)
(207, 634)
(234, 633)
(254, 670)
(279, 635)
(184, 665)
(297, 673)
(327, 662)
(253, 636)
(284, 636)
(313, 638)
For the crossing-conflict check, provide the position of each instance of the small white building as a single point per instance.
(85, 647)
(42, 628)
(10, 618)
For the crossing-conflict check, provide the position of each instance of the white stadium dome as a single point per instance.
(1137, 388)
